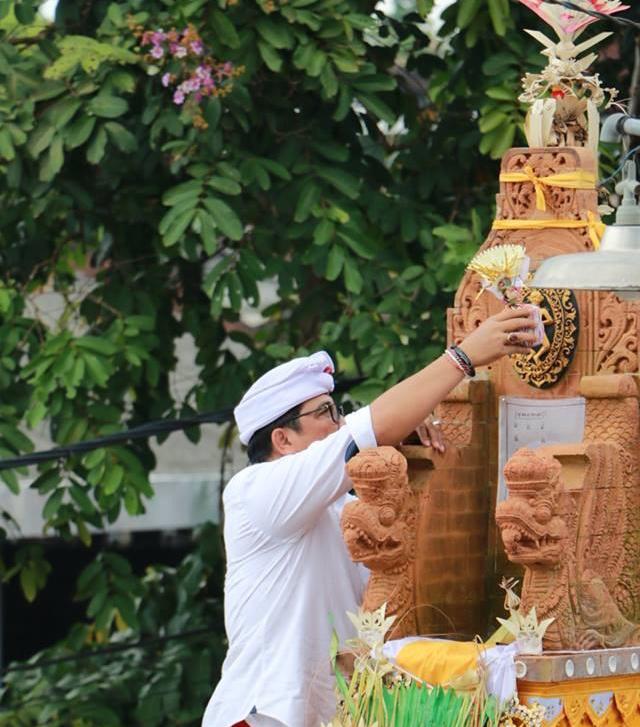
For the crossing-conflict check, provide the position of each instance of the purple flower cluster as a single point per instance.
(173, 43)
(192, 74)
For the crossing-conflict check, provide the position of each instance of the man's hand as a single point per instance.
(510, 331)
(430, 434)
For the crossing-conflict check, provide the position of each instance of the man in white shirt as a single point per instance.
(289, 578)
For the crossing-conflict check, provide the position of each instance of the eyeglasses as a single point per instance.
(335, 411)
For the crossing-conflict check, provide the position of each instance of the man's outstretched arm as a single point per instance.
(397, 412)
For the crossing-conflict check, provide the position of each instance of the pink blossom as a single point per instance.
(196, 47)
(191, 84)
(158, 37)
(166, 79)
(180, 51)
(157, 51)
(569, 21)
(178, 97)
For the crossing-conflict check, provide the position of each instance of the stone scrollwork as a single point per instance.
(545, 365)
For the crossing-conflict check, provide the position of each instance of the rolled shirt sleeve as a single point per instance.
(285, 497)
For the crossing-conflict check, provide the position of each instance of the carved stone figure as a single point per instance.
(565, 521)
(379, 530)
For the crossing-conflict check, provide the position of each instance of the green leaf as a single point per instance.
(6, 145)
(377, 107)
(490, 121)
(15, 438)
(53, 504)
(36, 414)
(40, 139)
(218, 270)
(341, 180)
(224, 217)
(28, 583)
(276, 34)
(76, 133)
(81, 499)
(335, 261)
(95, 150)
(224, 29)
(93, 458)
(11, 480)
(353, 280)
(324, 232)
(127, 610)
(122, 138)
(178, 226)
(60, 113)
(270, 56)
(97, 369)
(498, 16)
(500, 93)
(25, 12)
(97, 345)
(309, 196)
(108, 107)
(112, 479)
(377, 82)
(224, 185)
(52, 161)
(186, 190)
(131, 502)
(46, 482)
(467, 10)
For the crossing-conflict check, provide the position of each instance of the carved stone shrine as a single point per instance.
(570, 526)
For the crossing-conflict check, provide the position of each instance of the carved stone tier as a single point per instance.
(578, 688)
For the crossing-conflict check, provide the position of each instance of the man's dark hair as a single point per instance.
(260, 448)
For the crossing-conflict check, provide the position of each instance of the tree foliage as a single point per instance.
(349, 160)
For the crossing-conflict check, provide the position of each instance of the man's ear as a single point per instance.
(280, 442)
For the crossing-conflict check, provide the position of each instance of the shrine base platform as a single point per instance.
(584, 688)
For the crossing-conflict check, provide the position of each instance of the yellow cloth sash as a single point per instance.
(595, 226)
(571, 180)
(441, 662)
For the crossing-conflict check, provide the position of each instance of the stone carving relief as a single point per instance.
(565, 522)
(379, 530)
(546, 364)
(618, 325)
(519, 198)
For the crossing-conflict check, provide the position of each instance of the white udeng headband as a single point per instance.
(282, 388)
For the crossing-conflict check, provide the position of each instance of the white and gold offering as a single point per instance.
(504, 270)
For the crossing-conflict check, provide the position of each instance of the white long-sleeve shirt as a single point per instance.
(289, 581)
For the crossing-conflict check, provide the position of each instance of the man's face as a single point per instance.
(313, 425)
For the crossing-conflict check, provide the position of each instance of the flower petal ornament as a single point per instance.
(503, 269)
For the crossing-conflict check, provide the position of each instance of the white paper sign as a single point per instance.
(535, 423)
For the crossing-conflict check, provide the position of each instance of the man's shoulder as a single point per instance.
(241, 480)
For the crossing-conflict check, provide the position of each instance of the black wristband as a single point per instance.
(464, 360)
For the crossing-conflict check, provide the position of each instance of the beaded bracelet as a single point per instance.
(461, 360)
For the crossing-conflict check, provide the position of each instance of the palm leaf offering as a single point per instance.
(504, 270)
(379, 692)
